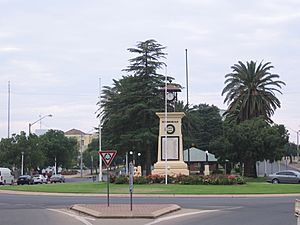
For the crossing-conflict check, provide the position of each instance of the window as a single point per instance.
(290, 174)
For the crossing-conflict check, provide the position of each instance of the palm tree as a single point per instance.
(251, 91)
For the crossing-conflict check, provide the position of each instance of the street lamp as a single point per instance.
(30, 124)
(139, 158)
(132, 157)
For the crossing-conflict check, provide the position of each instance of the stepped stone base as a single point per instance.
(175, 168)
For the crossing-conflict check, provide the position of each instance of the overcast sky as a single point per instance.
(54, 52)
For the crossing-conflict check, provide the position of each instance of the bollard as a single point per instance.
(297, 211)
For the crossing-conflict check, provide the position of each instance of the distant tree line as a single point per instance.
(39, 151)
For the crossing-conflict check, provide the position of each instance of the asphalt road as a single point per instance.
(37, 210)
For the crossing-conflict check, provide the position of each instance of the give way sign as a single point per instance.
(107, 156)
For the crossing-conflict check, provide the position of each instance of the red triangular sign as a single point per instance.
(107, 156)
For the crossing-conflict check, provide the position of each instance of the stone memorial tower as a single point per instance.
(170, 144)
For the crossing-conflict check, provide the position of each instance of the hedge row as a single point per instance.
(182, 179)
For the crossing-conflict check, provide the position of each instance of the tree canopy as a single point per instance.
(201, 125)
(251, 91)
(251, 141)
(39, 151)
(129, 106)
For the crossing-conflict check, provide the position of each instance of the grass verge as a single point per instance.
(100, 188)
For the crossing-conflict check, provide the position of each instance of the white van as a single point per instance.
(5, 176)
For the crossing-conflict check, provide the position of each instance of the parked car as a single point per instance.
(24, 179)
(57, 178)
(285, 176)
(39, 179)
(6, 176)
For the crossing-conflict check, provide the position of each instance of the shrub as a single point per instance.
(122, 180)
(155, 179)
(240, 180)
(183, 179)
(192, 179)
(112, 179)
(140, 180)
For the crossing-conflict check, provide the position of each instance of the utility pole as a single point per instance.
(81, 145)
(8, 111)
(99, 129)
(165, 127)
(22, 164)
(298, 145)
(187, 102)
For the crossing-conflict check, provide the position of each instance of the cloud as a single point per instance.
(54, 53)
(9, 49)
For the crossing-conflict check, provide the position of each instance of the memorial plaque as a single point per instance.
(172, 146)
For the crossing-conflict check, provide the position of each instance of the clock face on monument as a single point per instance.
(170, 129)
(170, 96)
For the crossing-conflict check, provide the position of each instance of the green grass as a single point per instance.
(257, 179)
(100, 188)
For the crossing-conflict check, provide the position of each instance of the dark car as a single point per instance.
(57, 178)
(285, 176)
(25, 179)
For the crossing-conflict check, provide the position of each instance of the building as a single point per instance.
(83, 139)
(196, 159)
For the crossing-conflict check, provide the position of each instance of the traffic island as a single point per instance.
(147, 211)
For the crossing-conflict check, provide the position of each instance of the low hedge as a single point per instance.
(183, 179)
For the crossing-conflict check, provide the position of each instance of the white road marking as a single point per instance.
(189, 214)
(181, 215)
(80, 218)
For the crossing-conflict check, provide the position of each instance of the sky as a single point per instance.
(53, 54)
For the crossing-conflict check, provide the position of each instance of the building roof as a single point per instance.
(197, 155)
(74, 132)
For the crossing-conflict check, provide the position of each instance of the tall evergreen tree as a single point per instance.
(129, 120)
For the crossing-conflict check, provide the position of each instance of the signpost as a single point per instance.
(107, 157)
(131, 173)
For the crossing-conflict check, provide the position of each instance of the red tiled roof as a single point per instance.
(74, 132)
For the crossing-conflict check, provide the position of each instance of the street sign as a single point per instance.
(107, 156)
(131, 172)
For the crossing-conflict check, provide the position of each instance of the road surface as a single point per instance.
(37, 210)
